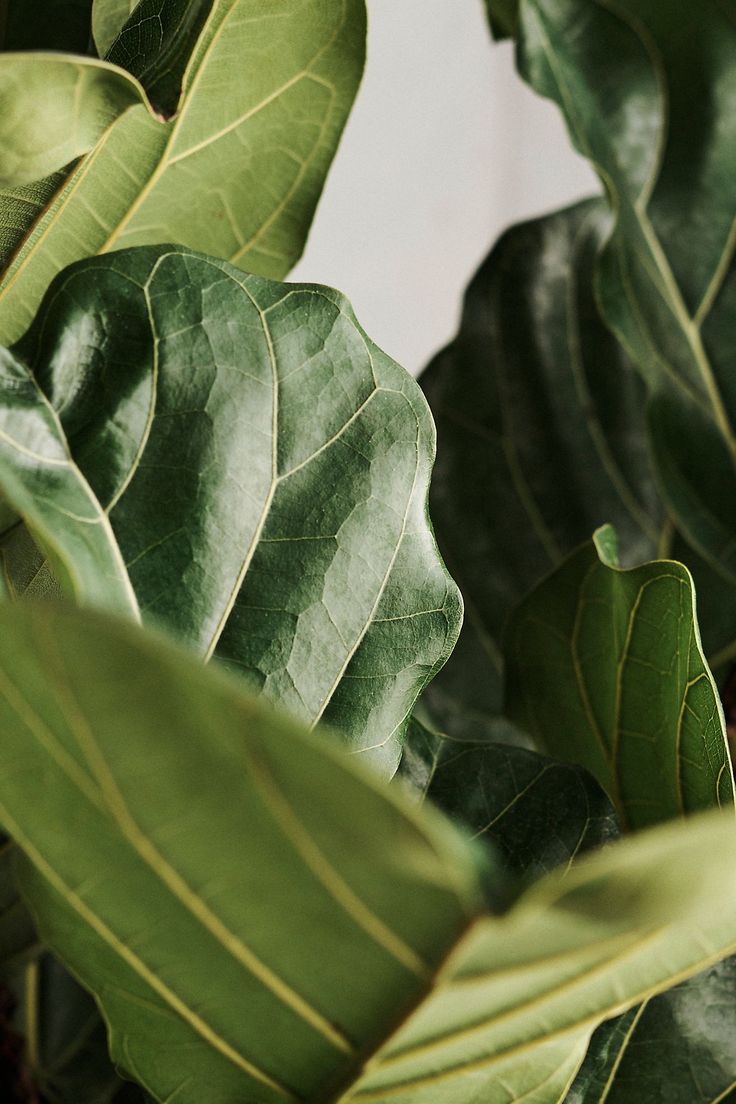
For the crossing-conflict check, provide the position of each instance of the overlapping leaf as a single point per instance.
(647, 91)
(335, 878)
(264, 470)
(56, 108)
(39, 477)
(108, 19)
(538, 813)
(238, 170)
(681, 1042)
(541, 439)
(606, 669)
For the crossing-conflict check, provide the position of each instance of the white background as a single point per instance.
(445, 148)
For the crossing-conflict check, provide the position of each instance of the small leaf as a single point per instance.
(56, 108)
(226, 981)
(605, 668)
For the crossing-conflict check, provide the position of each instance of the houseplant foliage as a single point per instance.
(264, 841)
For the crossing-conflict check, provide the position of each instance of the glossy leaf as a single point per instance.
(667, 278)
(264, 470)
(541, 439)
(108, 19)
(172, 771)
(56, 108)
(155, 45)
(538, 813)
(681, 1042)
(236, 173)
(606, 669)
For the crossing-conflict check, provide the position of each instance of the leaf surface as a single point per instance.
(226, 981)
(636, 80)
(541, 438)
(40, 479)
(238, 170)
(606, 669)
(263, 468)
(56, 108)
(538, 813)
(108, 19)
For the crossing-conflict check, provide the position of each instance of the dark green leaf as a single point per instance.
(156, 44)
(538, 813)
(647, 90)
(225, 981)
(264, 469)
(606, 669)
(681, 1043)
(236, 173)
(541, 440)
(108, 19)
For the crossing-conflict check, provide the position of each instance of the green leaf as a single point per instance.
(226, 981)
(606, 669)
(40, 479)
(682, 1040)
(17, 933)
(236, 173)
(155, 45)
(538, 813)
(55, 109)
(541, 440)
(503, 16)
(666, 279)
(108, 19)
(65, 1053)
(263, 468)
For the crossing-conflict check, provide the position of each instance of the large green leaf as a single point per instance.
(56, 108)
(319, 962)
(647, 90)
(263, 468)
(606, 669)
(236, 173)
(541, 440)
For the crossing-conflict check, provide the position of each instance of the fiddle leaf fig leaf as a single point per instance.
(236, 172)
(56, 108)
(538, 813)
(161, 778)
(542, 439)
(108, 19)
(605, 668)
(40, 479)
(682, 1040)
(263, 468)
(666, 278)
